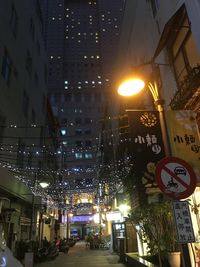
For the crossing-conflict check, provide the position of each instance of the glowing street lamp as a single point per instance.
(131, 87)
(134, 86)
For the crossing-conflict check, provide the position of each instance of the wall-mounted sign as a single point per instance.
(185, 232)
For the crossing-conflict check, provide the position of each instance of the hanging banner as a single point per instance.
(146, 141)
(184, 137)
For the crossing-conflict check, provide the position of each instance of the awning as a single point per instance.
(171, 27)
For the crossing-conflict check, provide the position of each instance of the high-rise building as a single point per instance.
(82, 39)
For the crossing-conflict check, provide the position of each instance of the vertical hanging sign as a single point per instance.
(184, 137)
(146, 141)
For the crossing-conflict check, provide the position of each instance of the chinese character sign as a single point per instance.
(146, 141)
(184, 137)
(185, 233)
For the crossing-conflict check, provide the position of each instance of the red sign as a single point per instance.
(175, 177)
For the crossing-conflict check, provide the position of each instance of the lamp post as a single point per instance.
(132, 87)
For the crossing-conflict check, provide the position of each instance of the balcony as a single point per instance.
(188, 93)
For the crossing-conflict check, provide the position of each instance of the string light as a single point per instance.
(60, 184)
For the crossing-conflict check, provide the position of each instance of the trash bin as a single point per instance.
(121, 248)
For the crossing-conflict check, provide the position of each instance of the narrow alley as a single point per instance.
(82, 256)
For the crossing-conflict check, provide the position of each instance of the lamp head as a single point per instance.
(131, 86)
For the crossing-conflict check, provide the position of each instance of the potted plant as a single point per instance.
(157, 229)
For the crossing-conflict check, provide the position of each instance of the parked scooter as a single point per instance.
(46, 253)
(63, 245)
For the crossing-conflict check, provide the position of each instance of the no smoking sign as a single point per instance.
(175, 177)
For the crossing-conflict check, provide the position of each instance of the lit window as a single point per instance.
(88, 155)
(63, 132)
(78, 155)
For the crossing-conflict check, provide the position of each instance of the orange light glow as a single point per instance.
(131, 87)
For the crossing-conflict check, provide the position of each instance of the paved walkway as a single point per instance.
(80, 256)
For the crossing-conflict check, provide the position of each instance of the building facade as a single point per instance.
(82, 38)
(165, 35)
(27, 140)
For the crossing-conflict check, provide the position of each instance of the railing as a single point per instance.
(186, 89)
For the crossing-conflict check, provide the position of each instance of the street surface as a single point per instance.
(82, 256)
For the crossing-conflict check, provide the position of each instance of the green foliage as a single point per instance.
(156, 226)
